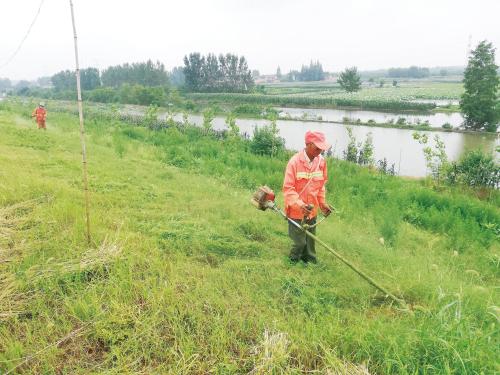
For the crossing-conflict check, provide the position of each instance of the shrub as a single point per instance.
(475, 169)
(383, 167)
(248, 109)
(208, 116)
(189, 105)
(435, 157)
(266, 140)
(358, 152)
(401, 121)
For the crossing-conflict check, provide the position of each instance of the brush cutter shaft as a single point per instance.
(372, 282)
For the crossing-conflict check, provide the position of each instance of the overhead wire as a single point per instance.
(25, 37)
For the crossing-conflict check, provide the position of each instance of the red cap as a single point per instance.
(318, 139)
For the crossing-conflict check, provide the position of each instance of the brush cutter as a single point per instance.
(264, 198)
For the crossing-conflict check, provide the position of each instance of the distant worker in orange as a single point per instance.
(40, 113)
(304, 192)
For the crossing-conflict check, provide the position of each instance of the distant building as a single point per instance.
(267, 78)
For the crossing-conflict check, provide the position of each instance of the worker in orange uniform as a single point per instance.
(304, 191)
(40, 113)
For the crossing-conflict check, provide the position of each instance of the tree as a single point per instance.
(350, 80)
(411, 72)
(145, 74)
(278, 73)
(313, 72)
(435, 158)
(266, 139)
(479, 103)
(193, 65)
(225, 73)
(177, 77)
(90, 78)
(44, 81)
(5, 84)
(66, 79)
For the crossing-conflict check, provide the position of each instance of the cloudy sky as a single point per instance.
(369, 34)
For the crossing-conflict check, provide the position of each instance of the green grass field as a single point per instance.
(404, 97)
(405, 90)
(184, 276)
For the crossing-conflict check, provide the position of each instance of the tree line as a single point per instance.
(313, 72)
(411, 72)
(147, 74)
(211, 73)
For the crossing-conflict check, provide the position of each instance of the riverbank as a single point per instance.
(185, 275)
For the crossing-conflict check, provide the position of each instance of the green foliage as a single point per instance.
(151, 117)
(384, 168)
(479, 103)
(435, 157)
(200, 284)
(476, 169)
(320, 101)
(177, 77)
(5, 84)
(66, 80)
(234, 130)
(350, 80)
(266, 140)
(146, 74)
(128, 94)
(248, 109)
(411, 72)
(225, 73)
(278, 73)
(313, 72)
(358, 152)
(208, 116)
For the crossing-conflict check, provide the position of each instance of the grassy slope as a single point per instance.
(201, 284)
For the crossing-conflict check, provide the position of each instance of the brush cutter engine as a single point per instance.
(263, 198)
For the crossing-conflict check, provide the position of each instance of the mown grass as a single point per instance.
(185, 277)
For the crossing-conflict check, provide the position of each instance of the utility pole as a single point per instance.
(82, 129)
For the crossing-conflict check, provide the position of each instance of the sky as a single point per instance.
(369, 34)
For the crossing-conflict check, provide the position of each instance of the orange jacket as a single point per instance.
(304, 184)
(40, 114)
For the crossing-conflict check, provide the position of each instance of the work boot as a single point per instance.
(309, 259)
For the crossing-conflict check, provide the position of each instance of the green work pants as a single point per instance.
(303, 247)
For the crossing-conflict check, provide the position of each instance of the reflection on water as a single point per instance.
(396, 145)
(435, 120)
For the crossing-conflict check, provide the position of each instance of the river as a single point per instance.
(396, 145)
(436, 120)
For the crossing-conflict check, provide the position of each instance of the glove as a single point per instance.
(325, 208)
(307, 209)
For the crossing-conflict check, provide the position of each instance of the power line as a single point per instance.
(25, 37)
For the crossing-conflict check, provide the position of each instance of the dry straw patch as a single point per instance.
(272, 356)
(11, 218)
(92, 259)
(272, 353)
